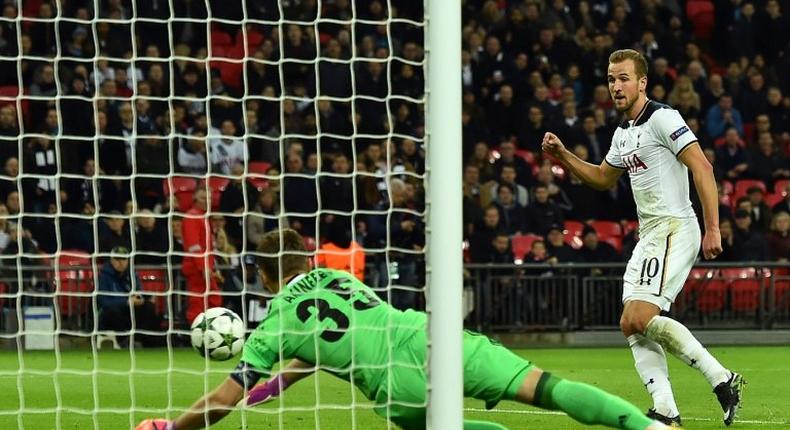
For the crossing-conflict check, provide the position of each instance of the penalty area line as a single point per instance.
(528, 412)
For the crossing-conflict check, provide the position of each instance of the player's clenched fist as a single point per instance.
(155, 424)
(552, 144)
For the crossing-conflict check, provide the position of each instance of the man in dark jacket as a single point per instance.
(119, 299)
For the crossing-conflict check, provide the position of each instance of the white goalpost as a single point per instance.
(124, 109)
(444, 267)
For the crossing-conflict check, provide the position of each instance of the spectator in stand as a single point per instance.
(484, 233)
(731, 155)
(500, 250)
(593, 140)
(504, 115)
(262, 218)
(480, 158)
(723, 116)
(533, 129)
(752, 99)
(198, 263)
(779, 237)
(728, 252)
(114, 233)
(542, 213)
(232, 204)
(778, 112)
(476, 197)
(594, 250)
(761, 213)
(79, 231)
(511, 213)
(538, 253)
(766, 163)
(507, 175)
(5, 237)
(299, 196)
(556, 246)
(192, 154)
(228, 262)
(557, 195)
(11, 171)
(120, 300)
(227, 150)
(339, 251)
(749, 244)
(150, 239)
(508, 157)
(784, 205)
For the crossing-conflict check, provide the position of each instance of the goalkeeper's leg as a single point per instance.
(582, 402)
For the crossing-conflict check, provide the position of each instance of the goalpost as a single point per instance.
(73, 72)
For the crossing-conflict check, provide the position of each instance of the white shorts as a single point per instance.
(661, 261)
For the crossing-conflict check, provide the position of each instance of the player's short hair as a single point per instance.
(293, 258)
(640, 63)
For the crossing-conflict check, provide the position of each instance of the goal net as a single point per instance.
(145, 147)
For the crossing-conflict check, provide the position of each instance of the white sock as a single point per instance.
(679, 341)
(651, 364)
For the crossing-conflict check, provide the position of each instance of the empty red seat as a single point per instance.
(773, 199)
(629, 226)
(711, 295)
(607, 229)
(522, 244)
(155, 281)
(74, 282)
(615, 241)
(573, 233)
(701, 15)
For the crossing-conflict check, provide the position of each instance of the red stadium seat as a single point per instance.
(782, 294)
(710, 295)
(607, 229)
(615, 241)
(74, 282)
(257, 169)
(701, 15)
(745, 287)
(748, 132)
(773, 199)
(743, 185)
(780, 187)
(573, 233)
(521, 245)
(183, 189)
(216, 185)
(155, 281)
(729, 188)
(528, 156)
(629, 226)
(694, 284)
(260, 167)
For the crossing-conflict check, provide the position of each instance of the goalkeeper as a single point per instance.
(327, 319)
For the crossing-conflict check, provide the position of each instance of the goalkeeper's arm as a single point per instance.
(295, 371)
(209, 409)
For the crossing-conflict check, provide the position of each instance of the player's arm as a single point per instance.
(209, 409)
(264, 392)
(601, 177)
(705, 183)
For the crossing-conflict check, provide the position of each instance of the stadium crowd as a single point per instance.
(122, 128)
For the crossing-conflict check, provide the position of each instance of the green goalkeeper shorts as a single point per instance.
(491, 373)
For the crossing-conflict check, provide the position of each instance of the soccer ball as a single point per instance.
(218, 333)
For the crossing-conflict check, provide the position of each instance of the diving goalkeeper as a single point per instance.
(327, 319)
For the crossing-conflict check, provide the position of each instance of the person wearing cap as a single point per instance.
(119, 299)
(556, 246)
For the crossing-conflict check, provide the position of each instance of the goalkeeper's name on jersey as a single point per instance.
(305, 285)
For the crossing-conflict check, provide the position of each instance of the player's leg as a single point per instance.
(582, 402)
(660, 280)
(650, 360)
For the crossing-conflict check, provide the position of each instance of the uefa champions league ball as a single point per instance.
(218, 333)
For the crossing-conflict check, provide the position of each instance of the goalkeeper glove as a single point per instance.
(264, 392)
(156, 424)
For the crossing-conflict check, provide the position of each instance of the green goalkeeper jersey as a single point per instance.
(330, 318)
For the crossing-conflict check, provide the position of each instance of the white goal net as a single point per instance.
(146, 146)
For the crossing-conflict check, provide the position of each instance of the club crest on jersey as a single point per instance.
(679, 132)
(633, 163)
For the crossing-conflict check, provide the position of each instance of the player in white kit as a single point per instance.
(656, 147)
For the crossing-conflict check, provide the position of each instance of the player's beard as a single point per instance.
(629, 103)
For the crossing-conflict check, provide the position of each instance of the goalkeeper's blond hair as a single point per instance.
(293, 260)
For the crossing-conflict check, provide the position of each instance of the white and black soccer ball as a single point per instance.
(218, 333)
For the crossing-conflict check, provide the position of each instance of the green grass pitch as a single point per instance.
(113, 392)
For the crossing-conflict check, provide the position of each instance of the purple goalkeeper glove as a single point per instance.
(156, 424)
(264, 392)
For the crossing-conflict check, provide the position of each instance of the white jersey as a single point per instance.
(226, 155)
(648, 148)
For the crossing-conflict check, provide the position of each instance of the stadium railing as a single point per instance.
(499, 297)
(573, 296)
